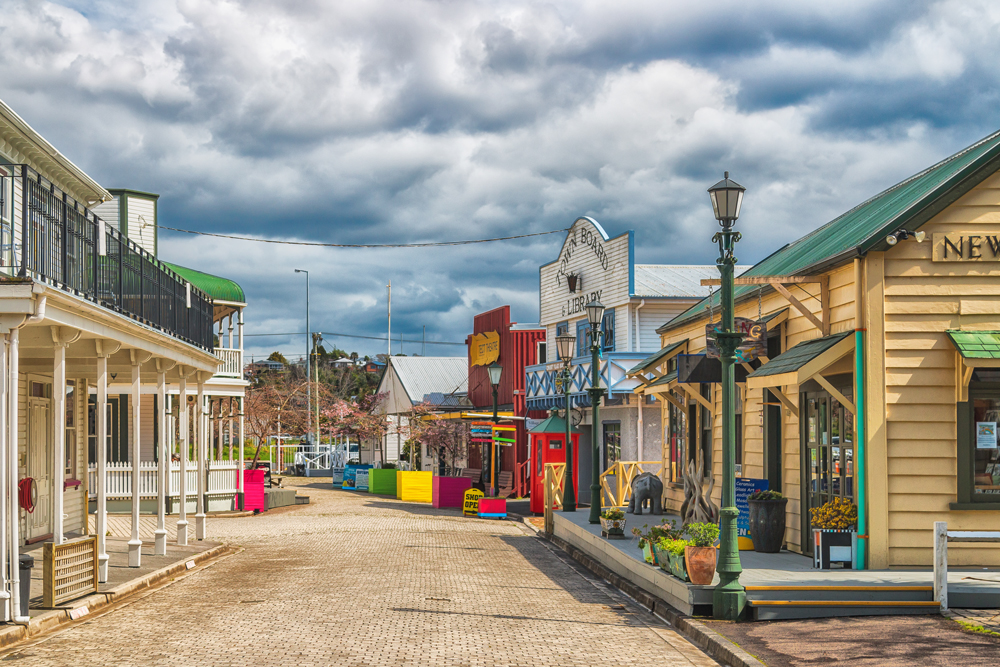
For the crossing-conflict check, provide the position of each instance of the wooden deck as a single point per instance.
(784, 579)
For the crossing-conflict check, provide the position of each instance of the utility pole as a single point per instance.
(308, 336)
(389, 337)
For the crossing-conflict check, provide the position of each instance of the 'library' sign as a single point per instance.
(966, 247)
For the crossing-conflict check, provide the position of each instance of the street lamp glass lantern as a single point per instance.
(595, 313)
(727, 198)
(565, 345)
(495, 370)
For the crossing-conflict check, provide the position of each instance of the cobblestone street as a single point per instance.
(364, 580)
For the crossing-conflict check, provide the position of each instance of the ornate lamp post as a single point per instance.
(565, 345)
(595, 315)
(495, 370)
(729, 597)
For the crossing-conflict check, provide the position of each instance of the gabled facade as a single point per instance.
(880, 383)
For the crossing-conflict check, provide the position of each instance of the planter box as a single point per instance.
(415, 486)
(253, 490)
(493, 508)
(382, 482)
(613, 529)
(449, 491)
(649, 554)
(833, 547)
(677, 567)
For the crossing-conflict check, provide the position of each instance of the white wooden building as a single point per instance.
(101, 343)
(638, 299)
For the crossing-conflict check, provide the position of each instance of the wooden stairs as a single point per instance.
(772, 603)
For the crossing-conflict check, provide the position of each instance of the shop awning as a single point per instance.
(660, 385)
(806, 361)
(552, 424)
(654, 360)
(978, 348)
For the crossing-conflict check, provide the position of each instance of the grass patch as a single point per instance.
(977, 629)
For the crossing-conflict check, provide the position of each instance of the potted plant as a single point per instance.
(672, 552)
(835, 538)
(700, 553)
(767, 521)
(647, 540)
(613, 523)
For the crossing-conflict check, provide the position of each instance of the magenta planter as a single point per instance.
(253, 490)
(449, 491)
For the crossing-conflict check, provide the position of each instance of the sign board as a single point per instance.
(471, 505)
(986, 435)
(754, 339)
(696, 368)
(361, 480)
(744, 487)
(484, 348)
(966, 247)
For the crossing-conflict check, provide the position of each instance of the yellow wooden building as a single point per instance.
(886, 318)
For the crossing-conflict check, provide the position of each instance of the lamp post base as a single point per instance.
(728, 604)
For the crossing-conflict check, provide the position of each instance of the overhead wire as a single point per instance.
(343, 335)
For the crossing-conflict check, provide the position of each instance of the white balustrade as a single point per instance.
(232, 362)
(221, 478)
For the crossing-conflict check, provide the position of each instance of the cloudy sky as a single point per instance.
(411, 121)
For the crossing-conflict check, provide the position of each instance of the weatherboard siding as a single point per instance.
(108, 211)
(142, 210)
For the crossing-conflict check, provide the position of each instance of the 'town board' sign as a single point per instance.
(485, 348)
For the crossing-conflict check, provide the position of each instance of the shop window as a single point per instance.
(541, 353)
(612, 443)
(71, 429)
(677, 439)
(608, 325)
(985, 453)
(582, 338)
(706, 430)
(562, 328)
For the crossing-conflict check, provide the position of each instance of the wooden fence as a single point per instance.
(69, 570)
(616, 481)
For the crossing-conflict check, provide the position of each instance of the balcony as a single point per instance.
(541, 392)
(231, 367)
(58, 241)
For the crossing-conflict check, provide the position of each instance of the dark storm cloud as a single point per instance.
(419, 121)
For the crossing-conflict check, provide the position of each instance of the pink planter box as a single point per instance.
(253, 490)
(450, 491)
(493, 507)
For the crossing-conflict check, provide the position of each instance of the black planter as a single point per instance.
(767, 524)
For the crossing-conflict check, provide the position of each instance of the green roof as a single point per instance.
(977, 344)
(553, 424)
(653, 359)
(664, 379)
(799, 356)
(908, 204)
(220, 289)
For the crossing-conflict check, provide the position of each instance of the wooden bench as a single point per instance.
(472, 473)
(942, 536)
(506, 483)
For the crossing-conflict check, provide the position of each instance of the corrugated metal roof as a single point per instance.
(911, 202)
(799, 356)
(659, 280)
(421, 376)
(220, 289)
(976, 344)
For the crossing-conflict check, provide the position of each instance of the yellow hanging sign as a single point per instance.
(485, 348)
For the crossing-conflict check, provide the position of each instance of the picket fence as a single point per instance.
(221, 479)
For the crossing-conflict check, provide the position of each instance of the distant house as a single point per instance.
(374, 366)
(266, 365)
(410, 381)
(343, 362)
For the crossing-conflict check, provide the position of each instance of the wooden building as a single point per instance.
(881, 382)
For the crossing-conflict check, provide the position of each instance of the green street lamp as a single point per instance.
(729, 597)
(495, 370)
(595, 315)
(565, 344)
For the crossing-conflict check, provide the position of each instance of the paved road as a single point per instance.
(361, 580)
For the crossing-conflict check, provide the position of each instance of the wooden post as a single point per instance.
(941, 563)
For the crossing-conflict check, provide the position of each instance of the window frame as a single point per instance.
(965, 424)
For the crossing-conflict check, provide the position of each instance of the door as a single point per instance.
(828, 468)
(39, 466)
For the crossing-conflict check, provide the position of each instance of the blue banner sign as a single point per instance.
(744, 487)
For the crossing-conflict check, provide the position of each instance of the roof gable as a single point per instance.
(422, 376)
(909, 203)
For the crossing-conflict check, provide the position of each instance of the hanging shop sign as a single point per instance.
(754, 339)
(485, 348)
(697, 368)
(966, 247)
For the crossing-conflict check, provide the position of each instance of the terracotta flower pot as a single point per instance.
(700, 562)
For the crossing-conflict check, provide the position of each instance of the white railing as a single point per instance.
(313, 460)
(221, 479)
(232, 362)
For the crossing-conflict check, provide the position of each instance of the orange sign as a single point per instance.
(485, 348)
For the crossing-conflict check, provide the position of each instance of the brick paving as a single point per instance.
(353, 579)
(988, 619)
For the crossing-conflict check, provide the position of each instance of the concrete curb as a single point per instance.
(50, 620)
(709, 641)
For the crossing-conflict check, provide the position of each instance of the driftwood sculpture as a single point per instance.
(698, 506)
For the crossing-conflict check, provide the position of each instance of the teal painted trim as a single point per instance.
(860, 555)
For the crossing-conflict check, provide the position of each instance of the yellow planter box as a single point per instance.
(415, 486)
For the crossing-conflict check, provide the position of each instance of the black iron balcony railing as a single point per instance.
(59, 244)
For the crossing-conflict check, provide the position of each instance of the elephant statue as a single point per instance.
(646, 487)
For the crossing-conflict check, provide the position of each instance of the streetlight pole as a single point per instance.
(317, 337)
(495, 371)
(729, 597)
(564, 346)
(308, 335)
(595, 315)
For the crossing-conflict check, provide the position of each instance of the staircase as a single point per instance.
(772, 603)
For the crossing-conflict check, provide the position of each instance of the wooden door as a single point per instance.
(39, 522)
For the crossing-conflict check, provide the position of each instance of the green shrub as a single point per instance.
(673, 546)
(668, 529)
(702, 534)
(613, 514)
(765, 495)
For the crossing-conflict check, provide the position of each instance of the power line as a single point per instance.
(342, 335)
(433, 244)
